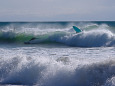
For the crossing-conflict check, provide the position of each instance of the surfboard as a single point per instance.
(77, 29)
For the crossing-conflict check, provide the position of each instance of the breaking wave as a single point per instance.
(93, 38)
(93, 35)
(47, 72)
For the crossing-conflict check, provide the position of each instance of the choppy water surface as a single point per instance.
(59, 56)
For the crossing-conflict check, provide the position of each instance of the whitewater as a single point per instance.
(58, 56)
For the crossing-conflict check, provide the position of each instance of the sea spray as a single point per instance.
(49, 72)
(61, 58)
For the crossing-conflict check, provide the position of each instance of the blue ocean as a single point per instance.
(53, 54)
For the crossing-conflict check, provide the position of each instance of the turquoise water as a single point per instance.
(58, 56)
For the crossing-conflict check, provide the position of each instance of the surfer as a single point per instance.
(28, 42)
(32, 39)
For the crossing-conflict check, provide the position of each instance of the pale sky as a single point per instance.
(57, 10)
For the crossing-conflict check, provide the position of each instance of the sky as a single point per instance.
(57, 10)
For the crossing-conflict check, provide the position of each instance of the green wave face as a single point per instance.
(13, 37)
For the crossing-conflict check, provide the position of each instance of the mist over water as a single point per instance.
(58, 56)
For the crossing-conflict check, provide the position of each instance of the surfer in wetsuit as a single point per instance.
(28, 42)
(32, 39)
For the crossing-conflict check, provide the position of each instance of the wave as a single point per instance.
(93, 35)
(96, 74)
(47, 72)
(11, 37)
(92, 38)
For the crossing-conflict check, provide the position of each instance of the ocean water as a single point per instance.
(58, 56)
